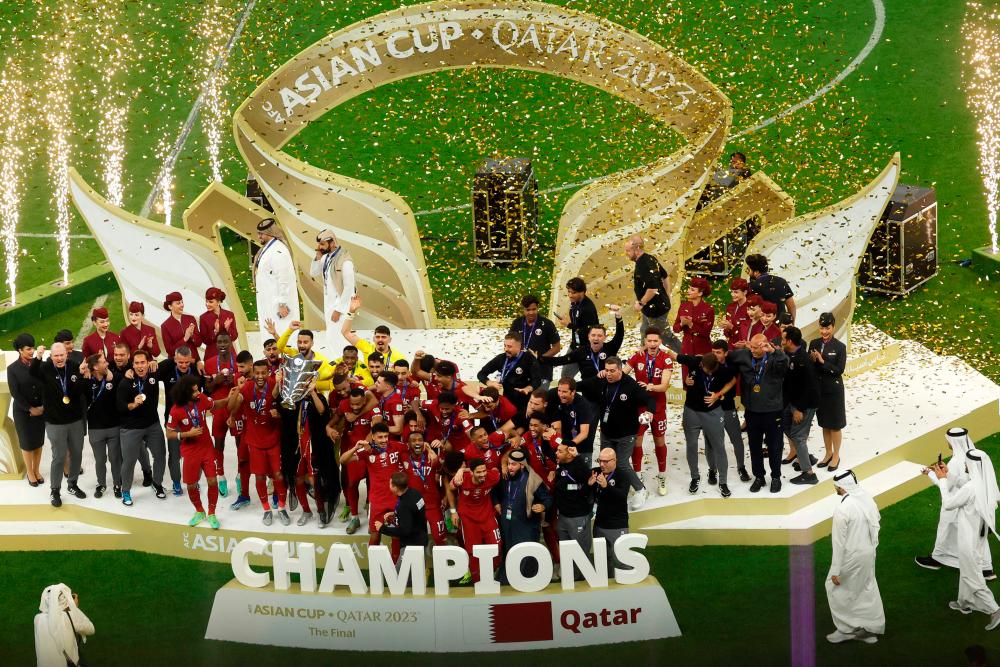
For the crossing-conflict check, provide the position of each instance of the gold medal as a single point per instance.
(66, 400)
(756, 389)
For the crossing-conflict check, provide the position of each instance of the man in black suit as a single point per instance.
(582, 316)
(408, 523)
(801, 393)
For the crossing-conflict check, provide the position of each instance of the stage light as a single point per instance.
(981, 30)
(59, 125)
(11, 168)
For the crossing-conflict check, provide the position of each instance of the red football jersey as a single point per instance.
(261, 430)
(183, 418)
(226, 365)
(448, 429)
(539, 462)
(475, 503)
(425, 477)
(492, 454)
(381, 464)
(408, 391)
(504, 412)
(361, 427)
(391, 406)
(641, 363)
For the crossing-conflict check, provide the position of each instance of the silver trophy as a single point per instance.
(297, 373)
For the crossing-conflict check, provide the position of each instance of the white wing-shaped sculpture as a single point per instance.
(150, 259)
(819, 253)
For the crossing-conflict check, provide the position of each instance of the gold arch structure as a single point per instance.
(378, 226)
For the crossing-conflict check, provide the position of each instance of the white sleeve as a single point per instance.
(83, 625)
(316, 268)
(952, 499)
(343, 304)
(841, 521)
(284, 277)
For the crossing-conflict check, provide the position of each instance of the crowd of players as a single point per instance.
(510, 458)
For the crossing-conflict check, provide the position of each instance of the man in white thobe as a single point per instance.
(851, 589)
(274, 278)
(59, 628)
(945, 552)
(334, 266)
(976, 505)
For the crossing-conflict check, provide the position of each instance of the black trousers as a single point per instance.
(765, 427)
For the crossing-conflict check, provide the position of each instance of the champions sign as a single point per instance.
(392, 610)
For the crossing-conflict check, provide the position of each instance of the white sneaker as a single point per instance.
(994, 620)
(639, 499)
(661, 484)
(836, 637)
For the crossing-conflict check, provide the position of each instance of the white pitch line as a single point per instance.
(854, 64)
(196, 109)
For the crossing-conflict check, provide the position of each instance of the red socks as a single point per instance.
(353, 494)
(262, 493)
(213, 497)
(637, 458)
(195, 495)
(281, 488)
(661, 458)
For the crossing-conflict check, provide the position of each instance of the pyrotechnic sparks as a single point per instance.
(982, 46)
(165, 182)
(11, 167)
(114, 48)
(59, 125)
(213, 34)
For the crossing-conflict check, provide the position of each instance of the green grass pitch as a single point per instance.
(423, 138)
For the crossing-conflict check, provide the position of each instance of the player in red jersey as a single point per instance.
(495, 412)
(382, 457)
(390, 402)
(222, 374)
(424, 470)
(187, 422)
(443, 377)
(653, 370)
(474, 482)
(360, 412)
(237, 423)
(256, 402)
(486, 446)
(272, 355)
(449, 426)
(409, 388)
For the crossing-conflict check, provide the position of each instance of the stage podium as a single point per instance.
(504, 210)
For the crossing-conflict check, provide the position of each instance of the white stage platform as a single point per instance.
(898, 410)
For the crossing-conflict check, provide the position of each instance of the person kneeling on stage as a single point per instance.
(256, 404)
(475, 511)
(521, 500)
(407, 523)
(188, 422)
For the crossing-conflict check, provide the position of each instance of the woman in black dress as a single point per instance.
(829, 355)
(28, 420)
